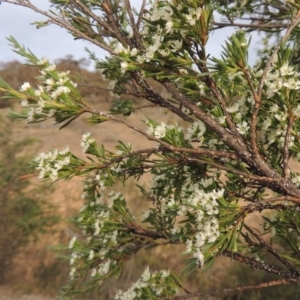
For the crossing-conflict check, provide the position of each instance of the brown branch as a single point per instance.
(271, 250)
(112, 28)
(253, 132)
(285, 160)
(253, 207)
(234, 289)
(202, 152)
(133, 25)
(259, 265)
(138, 24)
(212, 86)
(157, 98)
(265, 180)
(255, 26)
(122, 157)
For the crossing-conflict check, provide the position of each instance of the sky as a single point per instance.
(55, 42)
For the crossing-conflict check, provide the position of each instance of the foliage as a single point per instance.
(231, 156)
(24, 210)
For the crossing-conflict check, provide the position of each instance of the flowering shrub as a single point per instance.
(231, 156)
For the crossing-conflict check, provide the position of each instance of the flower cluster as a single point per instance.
(197, 130)
(56, 87)
(203, 205)
(280, 77)
(103, 238)
(86, 142)
(160, 130)
(240, 111)
(51, 163)
(280, 85)
(163, 34)
(160, 284)
(197, 206)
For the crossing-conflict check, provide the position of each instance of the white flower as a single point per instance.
(140, 59)
(50, 68)
(234, 108)
(49, 81)
(266, 123)
(86, 142)
(24, 103)
(25, 86)
(296, 111)
(242, 128)
(64, 151)
(72, 272)
(286, 70)
(164, 52)
(146, 214)
(91, 255)
(72, 242)
(60, 90)
(160, 130)
(146, 275)
(43, 61)
(176, 45)
(104, 268)
(169, 26)
(124, 67)
(165, 273)
(198, 128)
(274, 108)
(134, 52)
(200, 257)
(189, 246)
(296, 180)
(94, 272)
(292, 84)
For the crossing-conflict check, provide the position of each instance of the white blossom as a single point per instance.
(25, 87)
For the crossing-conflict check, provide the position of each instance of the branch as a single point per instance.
(234, 289)
(133, 25)
(254, 26)
(253, 132)
(271, 250)
(285, 160)
(157, 98)
(253, 207)
(259, 265)
(138, 24)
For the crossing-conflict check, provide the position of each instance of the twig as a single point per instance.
(138, 24)
(255, 26)
(255, 264)
(271, 250)
(133, 25)
(234, 289)
(285, 160)
(253, 133)
(157, 98)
